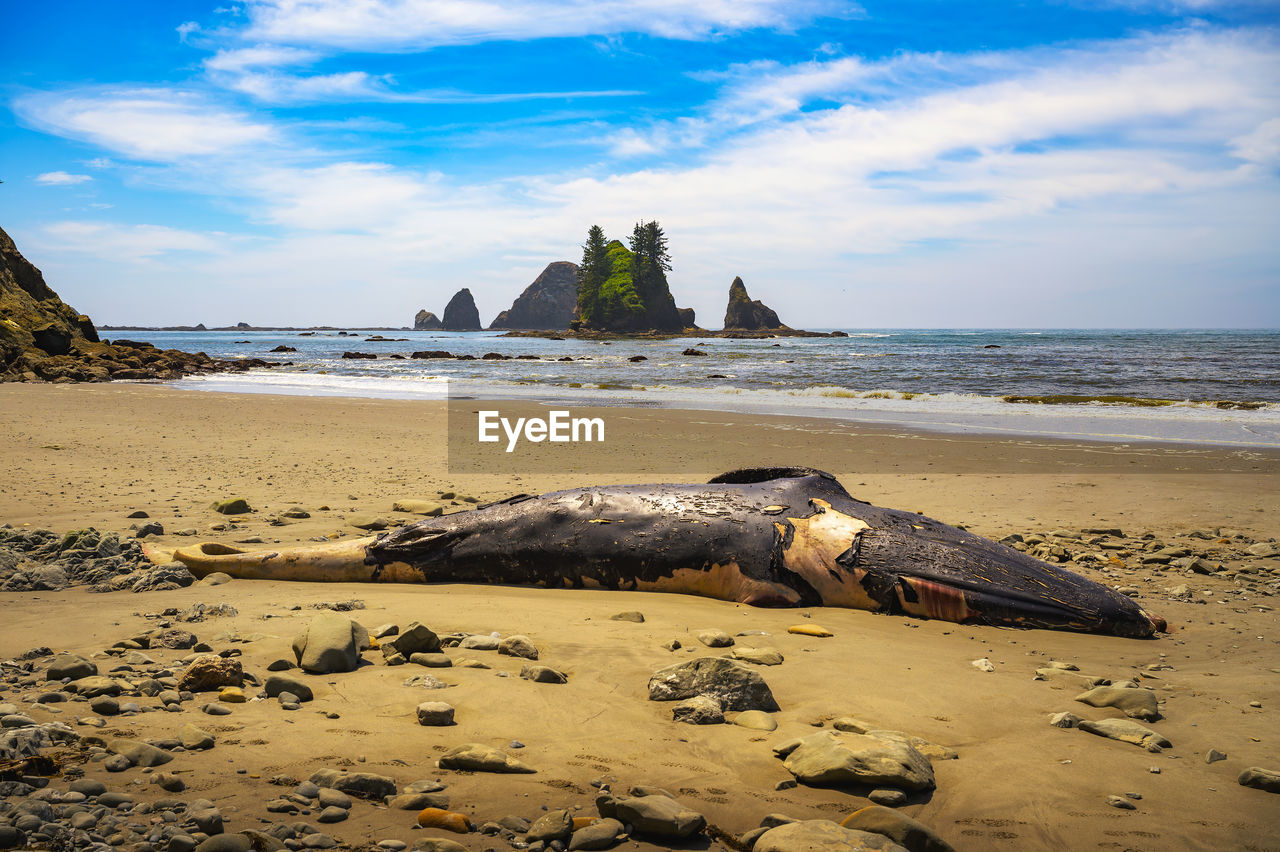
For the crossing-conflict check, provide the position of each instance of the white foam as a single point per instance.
(321, 384)
(1192, 423)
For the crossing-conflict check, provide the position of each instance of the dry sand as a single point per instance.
(77, 456)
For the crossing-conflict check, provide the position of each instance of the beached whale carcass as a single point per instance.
(766, 537)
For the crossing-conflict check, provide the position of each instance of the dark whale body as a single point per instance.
(766, 537)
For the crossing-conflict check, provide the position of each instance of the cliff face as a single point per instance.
(746, 315)
(32, 317)
(424, 320)
(43, 338)
(626, 301)
(549, 303)
(461, 314)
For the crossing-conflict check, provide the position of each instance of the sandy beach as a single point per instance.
(88, 456)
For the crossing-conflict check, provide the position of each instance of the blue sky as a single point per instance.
(891, 163)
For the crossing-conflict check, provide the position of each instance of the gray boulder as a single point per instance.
(553, 825)
(1260, 779)
(1135, 702)
(827, 759)
(362, 785)
(278, 683)
(226, 843)
(657, 815)
(518, 646)
(601, 834)
(734, 685)
(414, 639)
(31, 739)
(435, 714)
(477, 757)
(698, 710)
(1126, 731)
(195, 739)
(211, 672)
(72, 666)
(757, 656)
(138, 753)
(543, 674)
(898, 827)
(163, 578)
(822, 835)
(331, 643)
(15, 838)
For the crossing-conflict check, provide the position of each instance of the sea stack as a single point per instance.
(461, 314)
(549, 303)
(627, 299)
(743, 314)
(686, 317)
(424, 320)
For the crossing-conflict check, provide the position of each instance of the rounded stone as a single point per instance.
(435, 714)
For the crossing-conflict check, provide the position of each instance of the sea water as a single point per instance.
(1198, 386)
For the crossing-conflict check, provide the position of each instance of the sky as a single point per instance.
(889, 163)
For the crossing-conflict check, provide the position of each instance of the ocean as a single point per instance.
(1218, 387)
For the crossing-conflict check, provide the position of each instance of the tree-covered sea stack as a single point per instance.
(625, 289)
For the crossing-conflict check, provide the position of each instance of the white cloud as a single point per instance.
(126, 243)
(241, 59)
(1129, 83)
(255, 71)
(352, 86)
(408, 24)
(61, 179)
(834, 171)
(146, 124)
(1260, 145)
(290, 89)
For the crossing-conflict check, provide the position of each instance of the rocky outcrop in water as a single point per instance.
(424, 320)
(686, 317)
(550, 302)
(461, 314)
(744, 314)
(628, 296)
(44, 339)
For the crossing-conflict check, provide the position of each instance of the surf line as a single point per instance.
(557, 427)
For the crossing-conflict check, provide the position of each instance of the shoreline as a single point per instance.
(1189, 424)
(304, 447)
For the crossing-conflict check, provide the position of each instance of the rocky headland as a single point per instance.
(44, 339)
